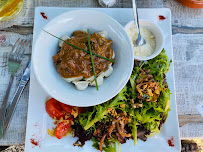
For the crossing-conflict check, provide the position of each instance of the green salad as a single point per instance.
(138, 111)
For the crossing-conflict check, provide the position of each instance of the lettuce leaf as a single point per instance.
(150, 116)
(88, 119)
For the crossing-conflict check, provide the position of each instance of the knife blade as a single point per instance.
(24, 79)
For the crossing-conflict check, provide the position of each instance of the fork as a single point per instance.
(14, 62)
(140, 40)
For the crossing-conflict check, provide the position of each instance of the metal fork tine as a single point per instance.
(23, 49)
(16, 45)
(20, 47)
(28, 42)
(18, 50)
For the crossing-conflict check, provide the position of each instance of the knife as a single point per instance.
(24, 79)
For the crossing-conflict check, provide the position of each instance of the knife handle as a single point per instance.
(3, 107)
(13, 104)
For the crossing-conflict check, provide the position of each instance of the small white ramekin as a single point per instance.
(156, 31)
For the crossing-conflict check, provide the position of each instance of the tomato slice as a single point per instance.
(81, 110)
(67, 108)
(63, 128)
(54, 109)
(70, 109)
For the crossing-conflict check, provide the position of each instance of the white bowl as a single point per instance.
(46, 46)
(156, 31)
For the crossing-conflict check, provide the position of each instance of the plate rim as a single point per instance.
(128, 9)
(102, 100)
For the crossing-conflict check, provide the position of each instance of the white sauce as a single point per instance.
(146, 49)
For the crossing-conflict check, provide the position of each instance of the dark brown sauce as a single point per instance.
(43, 15)
(161, 17)
(71, 62)
(171, 142)
(34, 142)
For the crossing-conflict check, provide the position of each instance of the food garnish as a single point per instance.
(137, 111)
(95, 77)
(147, 87)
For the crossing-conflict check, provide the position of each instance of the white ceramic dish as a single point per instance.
(156, 31)
(38, 121)
(65, 24)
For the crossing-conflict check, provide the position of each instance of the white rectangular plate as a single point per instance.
(38, 120)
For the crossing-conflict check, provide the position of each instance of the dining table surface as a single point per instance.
(187, 38)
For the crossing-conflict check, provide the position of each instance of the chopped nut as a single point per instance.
(147, 88)
(74, 112)
(144, 86)
(109, 109)
(137, 105)
(149, 92)
(67, 116)
(51, 132)
(122, 106)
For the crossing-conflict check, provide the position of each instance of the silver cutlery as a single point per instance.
(25, 78)
(14, 62)
(140, 40)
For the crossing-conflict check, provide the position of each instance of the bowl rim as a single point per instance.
(60, 99)
(130, 23)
